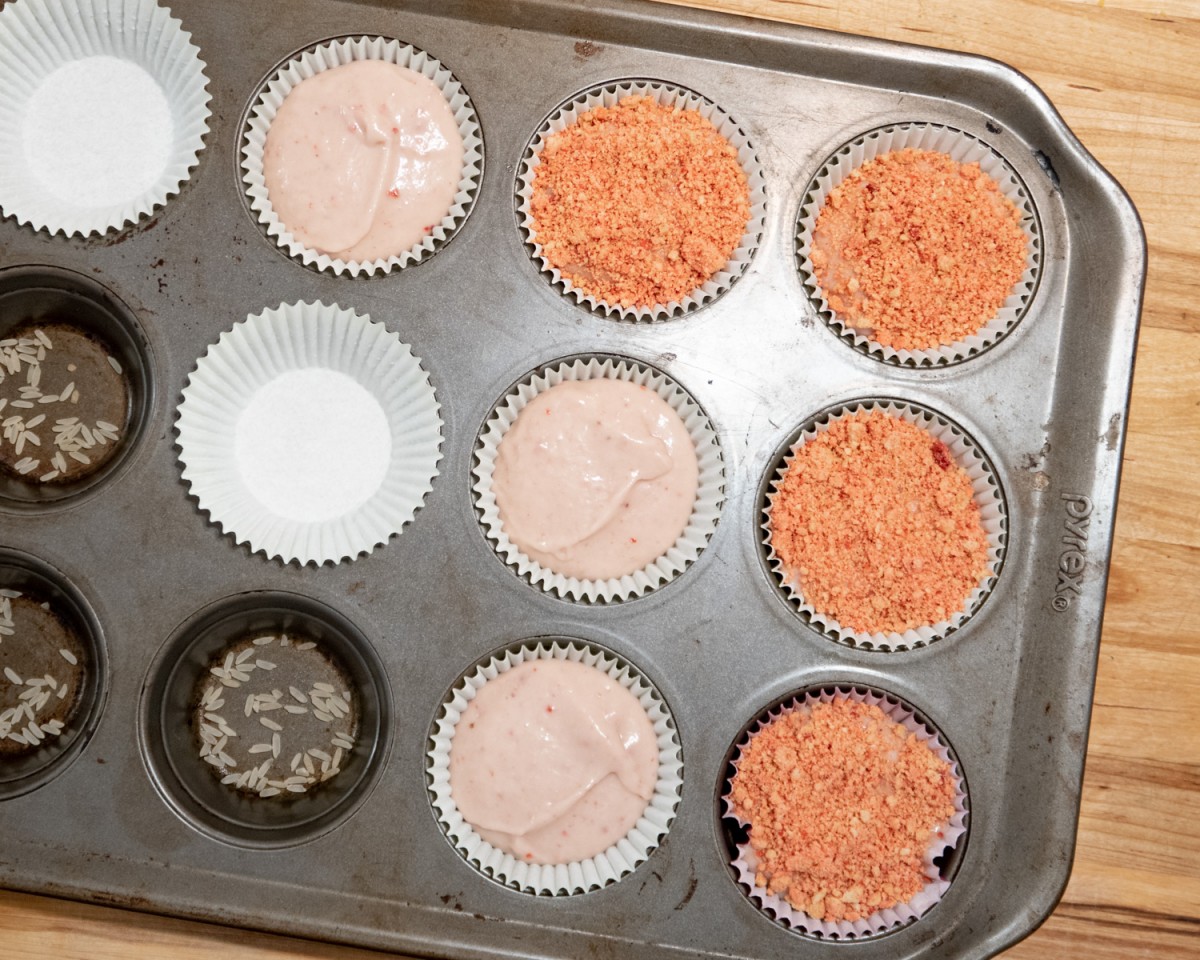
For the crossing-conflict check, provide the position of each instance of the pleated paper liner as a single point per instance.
(296, 515)
(963, 148)
(988, 496)
(581, 876)
(85, 162)
(607, 95)
(944, 841)
(705, 512)
(337, 53)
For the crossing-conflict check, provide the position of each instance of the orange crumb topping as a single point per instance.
(915, 250)
(843, 803)
(639, 204)
(879, 526)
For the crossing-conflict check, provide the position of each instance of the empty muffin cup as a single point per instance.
(676, 244)
(605, 513)
(527, 873)
(420, 150)
(934, 250)
(266, 719)
(890, 798)
(54, 673)
(76, 389)
(954, 504)
(105, 112)
(310, 433)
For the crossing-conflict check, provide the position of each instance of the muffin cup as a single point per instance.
(167, 736)
(947, 839)
(963, 148)
(608, 95)
(709, 494)
(24, 575)
(580, 876)
(338, 53)
(301, 337)
(988, 496)
(40, 37)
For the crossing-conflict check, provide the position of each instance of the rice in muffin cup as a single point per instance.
(988, 496)
(336, 53)
(709, 494)
(608, 95)
(945, 837)
(963, 148)
(580, 876)
(104, 111)
(310, 433)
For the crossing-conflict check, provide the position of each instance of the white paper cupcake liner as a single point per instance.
(607, 96)
(302, 337)
(963, 148)
(988, 495)
(709, 494)
(945, 839)
(335, 54)
(580, 876)
(40, 37)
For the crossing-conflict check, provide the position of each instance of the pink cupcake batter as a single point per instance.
(363, 160)
(595, 478)
(553, 761)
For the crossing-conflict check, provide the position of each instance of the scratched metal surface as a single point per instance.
(1011, 690)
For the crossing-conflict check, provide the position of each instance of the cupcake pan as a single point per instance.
(1010, 689)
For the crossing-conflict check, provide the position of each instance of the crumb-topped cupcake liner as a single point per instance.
(705, 512)
(608, 95)
(89, 86)
(945, 839)
(581, 876)
(988, 495)
(337, 53)
(310, 433)
(963, 148)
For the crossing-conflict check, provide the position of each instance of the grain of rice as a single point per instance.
(81, 457)
(244, 656)
(295, 708)
(298, 694)
(113, 363)
(43, 339)
(214, 760)
(270, 792)
(23, 404)
(259, 641)
(62, 691)
(276, 745)
(260, 748)
(35, 421)
(307, 645)
(269, 723)
(319, 754)
(68, 656)
(297, 788)
(264, 664)
(324, 687)
(13, 676)
(75, 397)
(322, 715)
(249, 709)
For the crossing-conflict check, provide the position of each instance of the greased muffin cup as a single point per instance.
(580, 876)
(46, 43)
(705, 512)
(607, 95)
(989, 497)
(944, 840)
(279, 349)
(337, 53)
(963, 148)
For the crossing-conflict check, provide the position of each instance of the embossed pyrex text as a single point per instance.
(1072, 561)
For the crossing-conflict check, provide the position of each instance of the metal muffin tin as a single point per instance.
(1010, 691)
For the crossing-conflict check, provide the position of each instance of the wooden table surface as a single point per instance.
(1126, 76)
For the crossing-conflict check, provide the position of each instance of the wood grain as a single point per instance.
(1126, 76)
